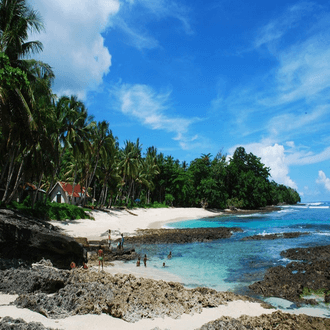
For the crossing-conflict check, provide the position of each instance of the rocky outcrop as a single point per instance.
(30, 240)
(274, 236)
(180, 236)
(277, 320)
(8, 323)
(288, 282)
(123, 296)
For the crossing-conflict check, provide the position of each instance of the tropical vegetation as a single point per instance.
(45, 138)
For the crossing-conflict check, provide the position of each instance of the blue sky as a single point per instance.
(199, 77)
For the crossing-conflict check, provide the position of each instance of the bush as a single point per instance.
(50, 211)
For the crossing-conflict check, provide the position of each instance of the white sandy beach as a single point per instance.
(121, 221)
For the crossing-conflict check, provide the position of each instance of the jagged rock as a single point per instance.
(8, 323)
(277, 320)
(274, 236)
(288, 282)
(308, 254)
(43, 277)
(187, 235)
(124, 296)
(30, 240)
(73, 299)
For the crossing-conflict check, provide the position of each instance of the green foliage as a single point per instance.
(318, 292)
(169, 199)
(234, 202)
(50, 211)
(10, 77)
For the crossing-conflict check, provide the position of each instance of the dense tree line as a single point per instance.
(45, 138)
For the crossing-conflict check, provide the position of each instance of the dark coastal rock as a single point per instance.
(274, 236)
(308, 254)
(180, 236)
(277, 320)
(288, 282)
(30, 240)
(122, 296)
(8, 323)
(73, 299)
(42, 277)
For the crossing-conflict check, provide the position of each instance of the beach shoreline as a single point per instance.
(127, 222)
(122, 221)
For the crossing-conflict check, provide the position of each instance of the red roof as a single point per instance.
(78, 191)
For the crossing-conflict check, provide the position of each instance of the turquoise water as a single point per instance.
(232, 264)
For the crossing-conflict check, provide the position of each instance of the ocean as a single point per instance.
(232, 264)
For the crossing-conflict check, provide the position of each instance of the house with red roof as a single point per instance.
(62, 193)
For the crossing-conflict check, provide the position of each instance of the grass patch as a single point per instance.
(50, 211)
(318, 292)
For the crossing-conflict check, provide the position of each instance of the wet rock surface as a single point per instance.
(274, 236)
(277, 320)
(180, 236)
(122, 296)
(8, 323)
(312, 272)
(30, 240)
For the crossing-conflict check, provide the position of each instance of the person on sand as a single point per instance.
(145, 260)
(138, 262)
(101, 256)
(122, 241)
(169, 255)
(109, 239)
(72, 265)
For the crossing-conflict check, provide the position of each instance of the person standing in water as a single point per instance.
(101, 256)
(109, 239)
(122, 241)
(138, 262)
(169, 255)
(145, 260)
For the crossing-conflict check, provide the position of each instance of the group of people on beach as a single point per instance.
(138, 263)
(120, 245)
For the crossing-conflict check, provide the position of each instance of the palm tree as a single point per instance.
(19, 107)
(16, 21)
(129, 165)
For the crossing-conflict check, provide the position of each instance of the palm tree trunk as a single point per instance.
(10, 174)
(11, 196)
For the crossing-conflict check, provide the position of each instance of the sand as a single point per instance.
(127, 222)
(121, 221)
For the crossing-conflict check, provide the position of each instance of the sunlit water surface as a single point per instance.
(232, 264)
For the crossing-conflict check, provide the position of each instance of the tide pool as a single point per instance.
(232, 264)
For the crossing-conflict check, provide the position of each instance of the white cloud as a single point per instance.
(278, 27)
(322, 179)
(73, 44)
(151, 109)
(308, 157)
